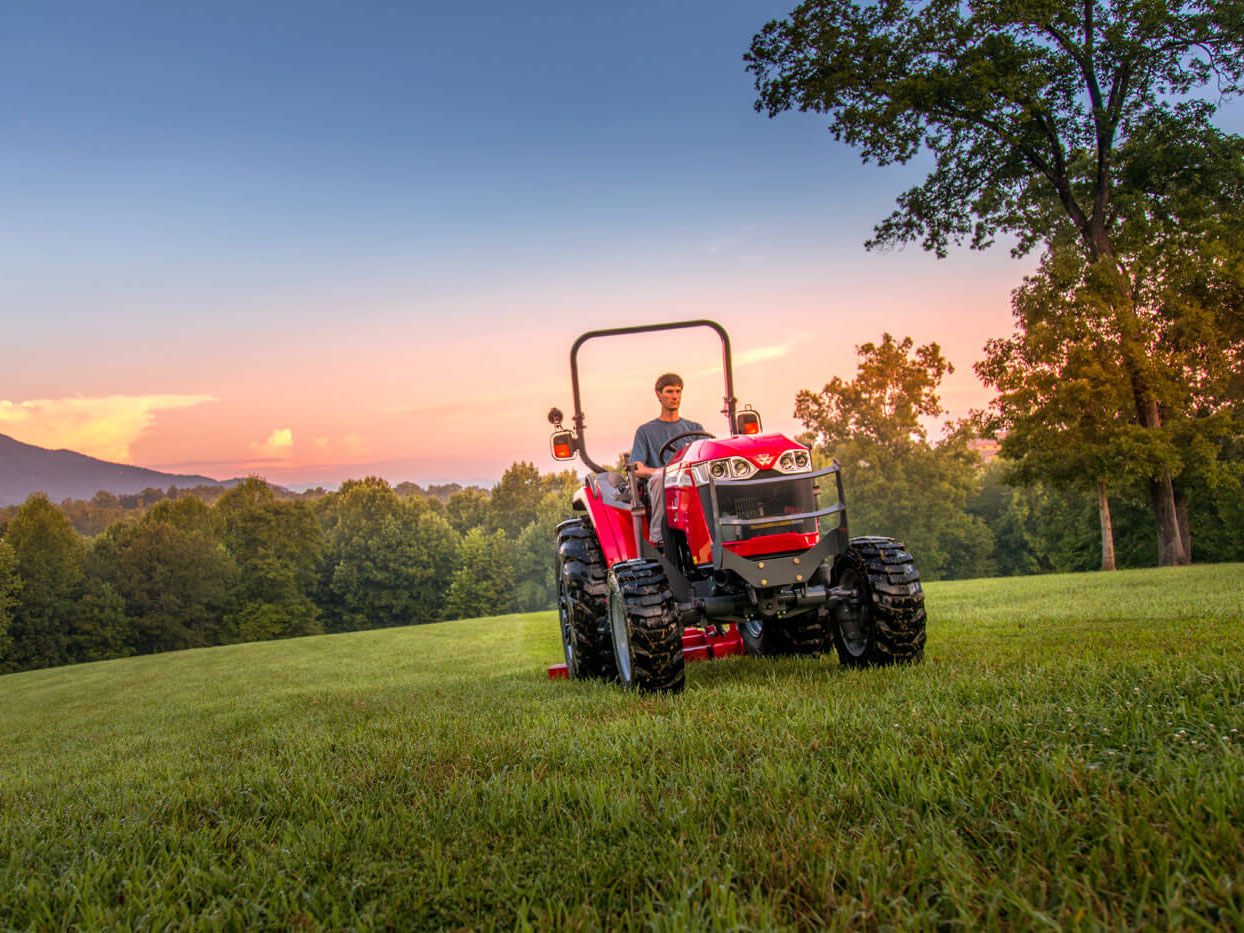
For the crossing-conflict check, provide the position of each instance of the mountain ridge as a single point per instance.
(66, 474)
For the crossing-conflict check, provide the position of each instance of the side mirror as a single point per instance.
(747, 422)
(563, 445)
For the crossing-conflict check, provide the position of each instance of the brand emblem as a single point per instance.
(764, 459)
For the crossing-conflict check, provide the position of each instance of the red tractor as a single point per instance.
(751, 563)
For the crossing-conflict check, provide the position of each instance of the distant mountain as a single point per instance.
(63, 474)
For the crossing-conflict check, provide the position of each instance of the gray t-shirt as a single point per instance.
(651, 437)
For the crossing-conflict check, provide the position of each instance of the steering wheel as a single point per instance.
(678, 437)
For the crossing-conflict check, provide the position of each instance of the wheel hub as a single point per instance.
(853, 622)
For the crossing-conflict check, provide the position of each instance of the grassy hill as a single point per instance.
(1070, 753)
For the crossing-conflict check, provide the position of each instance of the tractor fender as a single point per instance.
(614, 528)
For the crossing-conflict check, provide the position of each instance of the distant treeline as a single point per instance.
(161, 571)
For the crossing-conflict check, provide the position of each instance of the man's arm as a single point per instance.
(640, 455)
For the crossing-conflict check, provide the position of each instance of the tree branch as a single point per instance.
(1056, 175)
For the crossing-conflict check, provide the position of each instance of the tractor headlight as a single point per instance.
(794, 461)
(725, 469)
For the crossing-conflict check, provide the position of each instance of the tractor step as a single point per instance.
(697, 645)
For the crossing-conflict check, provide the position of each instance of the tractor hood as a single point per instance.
(761, 450)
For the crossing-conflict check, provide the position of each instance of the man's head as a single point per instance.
(669, 392)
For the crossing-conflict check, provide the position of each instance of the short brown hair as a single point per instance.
(669, 379)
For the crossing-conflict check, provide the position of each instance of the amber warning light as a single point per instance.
(563, 445)
(748, 421)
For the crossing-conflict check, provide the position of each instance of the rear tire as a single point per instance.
(803, 635)
(581, 594)
(887, 623)
(644, 630)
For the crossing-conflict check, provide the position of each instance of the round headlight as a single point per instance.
(718, 470)
(801, 459)
(740, 467)
(786, 462)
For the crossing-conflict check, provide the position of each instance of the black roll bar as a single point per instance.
(727, 369)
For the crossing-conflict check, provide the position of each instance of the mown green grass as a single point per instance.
(1069, 754)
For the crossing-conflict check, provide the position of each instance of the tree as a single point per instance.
(483, 583)
(278, 548)
(1065, 405)
(516, 498)
(176, 582)
(94, 516)
(101, 629)
(49, 561)
(467, 509)
(1061, 408)
(388, 560)
(891, 392)
(1025, 107)
(9, 585)
(896, 483)
(186, 513)
(535, 559)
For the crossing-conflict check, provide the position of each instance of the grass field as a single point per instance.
(1070, 754)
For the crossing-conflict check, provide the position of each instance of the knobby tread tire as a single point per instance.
(803, 635)
(892, 599)
(806, 635)
(584, 587)
(655, 638)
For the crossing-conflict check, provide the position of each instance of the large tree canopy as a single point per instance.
(1032, 111)
(1022, 102)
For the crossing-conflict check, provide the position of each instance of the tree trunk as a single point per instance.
(1185, 529)
(1107, 527)
(1172, 549)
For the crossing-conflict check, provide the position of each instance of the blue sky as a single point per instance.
(263, 139)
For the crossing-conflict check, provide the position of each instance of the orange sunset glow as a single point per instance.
(461, 396)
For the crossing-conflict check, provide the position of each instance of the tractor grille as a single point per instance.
(770, 500)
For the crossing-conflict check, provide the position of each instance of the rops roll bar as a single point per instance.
(727, 369)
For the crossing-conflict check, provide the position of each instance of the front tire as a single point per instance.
(581, 594)
(644, 630)
(886, 622)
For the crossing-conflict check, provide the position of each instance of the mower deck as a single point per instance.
(697, 645)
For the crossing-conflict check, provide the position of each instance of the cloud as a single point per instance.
(102, 427)
(278, 445)
(485, 401)
(754, 355)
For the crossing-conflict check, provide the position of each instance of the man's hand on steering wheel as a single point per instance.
(678, 437)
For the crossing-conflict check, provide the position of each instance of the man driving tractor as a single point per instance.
(650, 437)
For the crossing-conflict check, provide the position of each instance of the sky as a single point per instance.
(312, 241)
